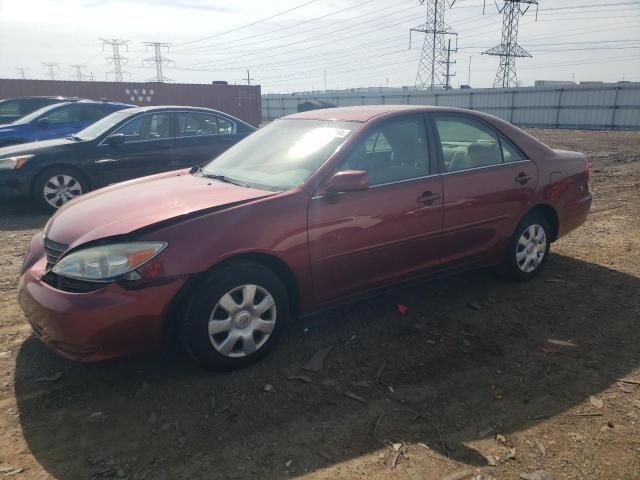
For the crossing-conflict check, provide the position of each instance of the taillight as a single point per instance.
(587, 170)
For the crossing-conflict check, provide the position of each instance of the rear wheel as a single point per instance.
(56, 186)
(528, 248)
(235, 316)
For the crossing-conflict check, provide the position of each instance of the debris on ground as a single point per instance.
(402, 309)
(300, 378)
(561, 343)
(316, 363)
(380, 371)
(355, 397)
(596, 402)
(269, 388)
(475, 306)
(501, 438)
(97, 417)
(51, 378)
(538, 475)
(540, 446)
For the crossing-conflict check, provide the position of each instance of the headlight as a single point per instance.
(107, 262)
(13, 163)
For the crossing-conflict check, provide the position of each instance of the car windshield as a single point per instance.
(33, 115)
(281, 155)
(96, 129)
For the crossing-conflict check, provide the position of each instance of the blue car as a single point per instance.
(56, 121)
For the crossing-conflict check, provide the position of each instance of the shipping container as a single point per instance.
(241, 101)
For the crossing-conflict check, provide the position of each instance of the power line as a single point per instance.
(51, 69)
(247, 25)
(158, 60)
(314, 19)
(116, 59)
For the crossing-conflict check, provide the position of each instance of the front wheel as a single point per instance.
(528, 248)
(235, 316)
(56, 186)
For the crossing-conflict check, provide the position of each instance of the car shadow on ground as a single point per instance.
(468, 359)
(21, 214)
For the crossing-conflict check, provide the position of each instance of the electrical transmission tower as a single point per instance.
(448, 63)
(116, 59)
(79, 76)
(509, 50)
(434, 61)
(51, 69)
(158, 60)
(22, 72)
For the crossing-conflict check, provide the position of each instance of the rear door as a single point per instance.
(200, 137)
(147, 149)
(488, 185)
(366, 239)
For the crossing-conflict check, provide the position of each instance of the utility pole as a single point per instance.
(158, 60)
(448, 74)
(469, 75)
(325, 79)
(431, 68)
(249, 78)
(51, 69)
(22, 72)
(116, 59)
(79, 76)
(509, 50)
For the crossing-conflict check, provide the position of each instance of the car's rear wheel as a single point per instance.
(528, 248)
(56, 186)
(235, 316)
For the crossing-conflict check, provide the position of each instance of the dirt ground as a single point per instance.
(465, 380)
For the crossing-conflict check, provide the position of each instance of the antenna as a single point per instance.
(158, 60)
(434, 61)
(509, 50)
(116, 59)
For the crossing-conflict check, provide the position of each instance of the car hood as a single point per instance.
(125, 207)
(34, 147)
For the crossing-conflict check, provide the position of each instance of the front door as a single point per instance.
(488, 186)
(365, 239)
(147, 149)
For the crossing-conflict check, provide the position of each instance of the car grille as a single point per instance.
(54, 250)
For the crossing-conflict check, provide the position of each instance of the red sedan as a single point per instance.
(314, 210)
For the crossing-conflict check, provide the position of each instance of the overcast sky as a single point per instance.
(358, 42)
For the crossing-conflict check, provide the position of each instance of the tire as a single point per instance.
(70, 182)
(241, 336)
(528, 248)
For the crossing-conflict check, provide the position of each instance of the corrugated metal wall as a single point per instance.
(241, 101)
(613, 106)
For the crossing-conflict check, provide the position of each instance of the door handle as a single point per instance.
(428, 197)
(522, 178)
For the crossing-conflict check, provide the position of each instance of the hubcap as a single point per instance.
(59, 189)
(242, 321)
(531, 249)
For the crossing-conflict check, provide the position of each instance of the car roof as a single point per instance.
(48, 97)
(152, 108)
(364, 113)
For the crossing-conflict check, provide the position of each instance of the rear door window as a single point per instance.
(467, 143)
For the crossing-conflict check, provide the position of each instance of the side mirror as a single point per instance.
(115, 139)
(43, 122)
(348, 181)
